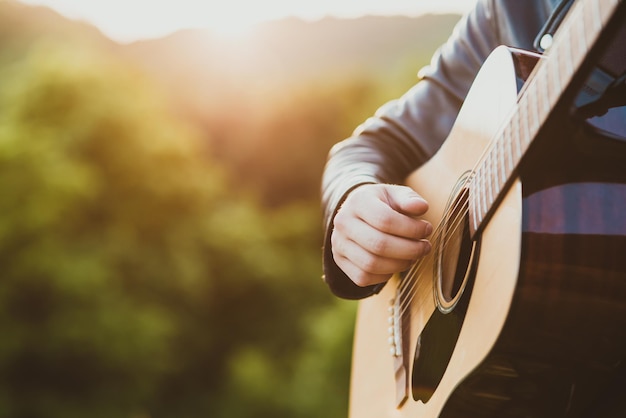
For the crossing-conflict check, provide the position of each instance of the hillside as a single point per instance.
(290, 85)
(282, 50)
(21, 26)
(200, 69)
(293, 48)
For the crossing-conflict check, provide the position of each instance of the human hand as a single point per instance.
(377, 232)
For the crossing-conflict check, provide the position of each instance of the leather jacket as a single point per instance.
(406, 132)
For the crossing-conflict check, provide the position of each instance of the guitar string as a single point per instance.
(450, 222)
(410, 282)
(411, 278)
(453, 217)
(435, 241)
(454, 210)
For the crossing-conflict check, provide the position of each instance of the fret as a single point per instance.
(567, 56)
(498, 185)
(551, 95)
(525, 128)
(582, 39)
(543, 87)
(533, 118)
(543, 101)
(489, 179)
(576, 52)
(595, 12)
(589, 22)
(474, 209)
(476, 177)
(539, 96)
(478, 192)
(535, 109)
(558, 74)
(515, 138)
(497, 168)
(476, 183)
(509, 145)
(500, 179)
(522, 118)
(553, 65)
(579, 42)
(540, 108)
(591, 19)
(502, 159)
(483, 200)
(537, 116)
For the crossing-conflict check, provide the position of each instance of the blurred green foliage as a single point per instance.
(159, 265)
(137, 278)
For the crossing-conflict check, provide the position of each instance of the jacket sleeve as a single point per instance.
(406, 132)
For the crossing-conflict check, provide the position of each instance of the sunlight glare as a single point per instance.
(232, 29)
(130, 20)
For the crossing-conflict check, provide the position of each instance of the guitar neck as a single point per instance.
(539, 96)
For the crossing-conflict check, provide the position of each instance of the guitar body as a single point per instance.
(538, 326)
(373, 367)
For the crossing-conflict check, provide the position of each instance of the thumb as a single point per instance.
(405, 200)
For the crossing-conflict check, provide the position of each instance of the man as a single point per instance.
(557, 355)
(373, 225)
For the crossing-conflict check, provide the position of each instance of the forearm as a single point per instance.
(404, 133)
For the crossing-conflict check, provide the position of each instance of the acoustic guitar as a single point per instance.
(520, 308)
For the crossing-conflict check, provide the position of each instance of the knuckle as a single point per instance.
(361, 279)
(335, 242)
(378, 245)
(384, 221)
(368, 263)
(364, 279)
(340, 220)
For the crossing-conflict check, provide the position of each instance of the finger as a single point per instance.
(391, 246)
(360, 277)
(361, 262)
(405, 200)
(384, 218)
(383, 243)
(364, 269)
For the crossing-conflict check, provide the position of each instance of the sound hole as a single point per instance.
(454, 256)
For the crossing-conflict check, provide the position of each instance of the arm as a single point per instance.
(403, 134)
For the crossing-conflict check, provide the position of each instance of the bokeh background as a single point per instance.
(160, 229)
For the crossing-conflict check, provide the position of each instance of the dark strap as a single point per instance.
(544, 38)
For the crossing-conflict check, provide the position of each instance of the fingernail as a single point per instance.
(416, 197)
(427, 247)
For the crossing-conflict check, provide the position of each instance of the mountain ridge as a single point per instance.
(283, 49)
(295, 47)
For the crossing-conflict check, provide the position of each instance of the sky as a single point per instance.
(130, 20)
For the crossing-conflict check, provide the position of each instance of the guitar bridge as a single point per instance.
(396, 349)
(395, 328)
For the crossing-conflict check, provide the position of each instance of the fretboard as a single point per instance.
(538, 97)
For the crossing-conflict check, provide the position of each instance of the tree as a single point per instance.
(137, 278)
